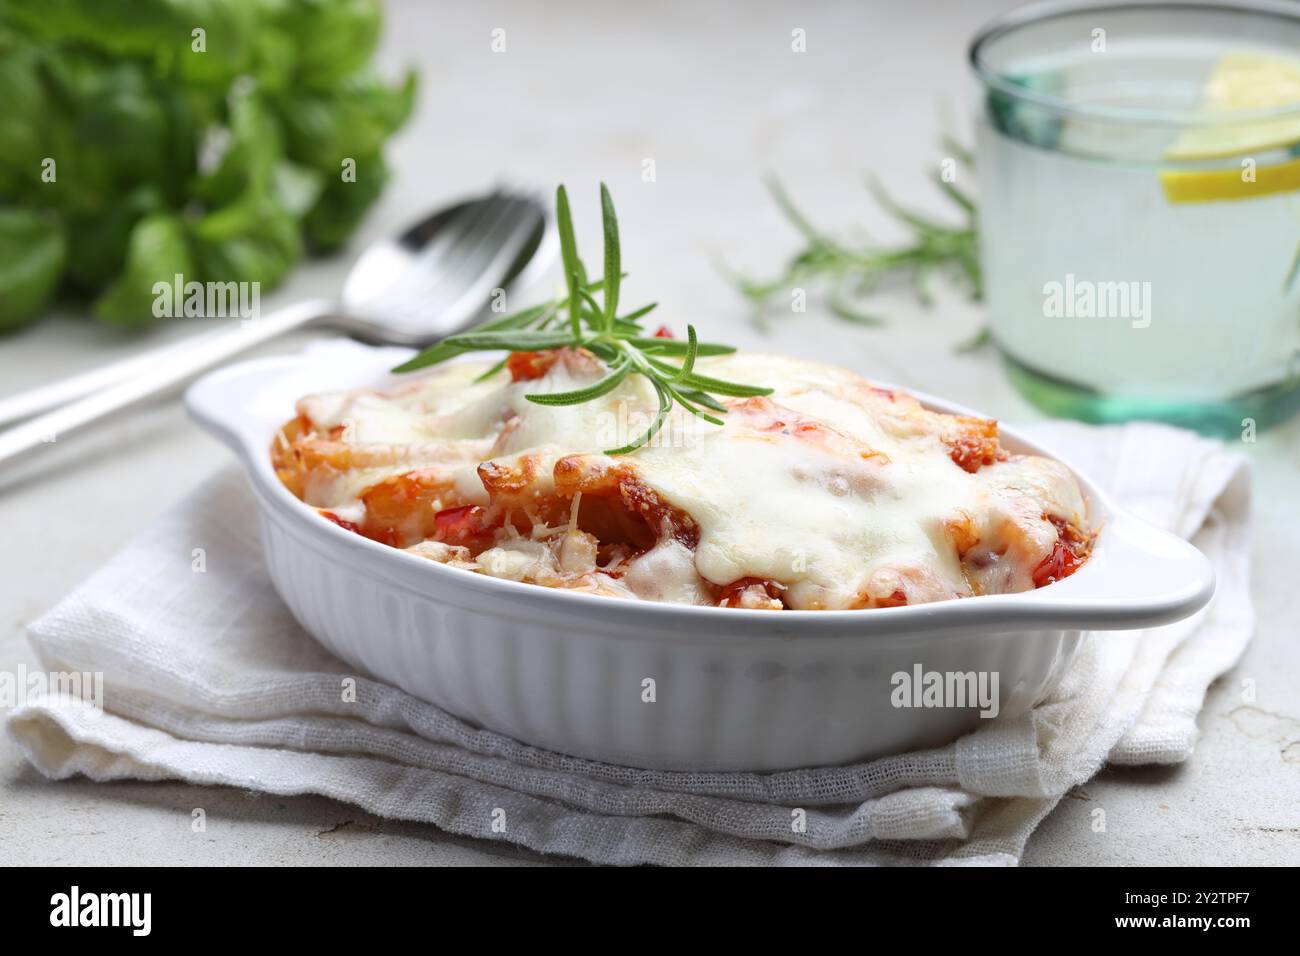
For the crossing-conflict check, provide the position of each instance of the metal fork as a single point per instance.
(429, 282)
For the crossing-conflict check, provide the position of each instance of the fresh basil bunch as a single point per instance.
(217, 139)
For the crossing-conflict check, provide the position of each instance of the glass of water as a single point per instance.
(1139, 173)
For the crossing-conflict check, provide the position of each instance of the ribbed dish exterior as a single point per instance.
(716, 702)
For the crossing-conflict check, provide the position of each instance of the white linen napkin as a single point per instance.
(208, 679)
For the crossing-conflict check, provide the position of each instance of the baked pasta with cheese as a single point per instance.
(830, 493)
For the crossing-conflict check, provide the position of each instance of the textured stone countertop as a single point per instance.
(714, 96)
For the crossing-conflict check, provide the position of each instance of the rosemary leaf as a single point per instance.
(613, 269)
(618, 341)
(603, 387)
(845, 273)
(569, 256)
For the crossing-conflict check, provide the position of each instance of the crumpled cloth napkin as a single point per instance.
(208, 679)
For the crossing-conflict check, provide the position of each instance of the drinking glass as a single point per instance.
(1139, 179)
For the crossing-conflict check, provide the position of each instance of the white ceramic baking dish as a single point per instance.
(732, 689)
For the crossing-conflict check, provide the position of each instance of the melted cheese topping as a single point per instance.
(830, 493)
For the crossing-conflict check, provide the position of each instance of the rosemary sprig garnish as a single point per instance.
(578, 321)
(847, 273)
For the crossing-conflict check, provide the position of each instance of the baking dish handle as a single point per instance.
(242, 405)
(1138, 576)
(217, 402)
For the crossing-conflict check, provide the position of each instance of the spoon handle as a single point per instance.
(61, 391)
(154, 372)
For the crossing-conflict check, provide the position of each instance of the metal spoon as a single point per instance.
(429, 282)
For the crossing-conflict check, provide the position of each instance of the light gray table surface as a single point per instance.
(713, 94)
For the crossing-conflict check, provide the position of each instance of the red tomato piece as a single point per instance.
(457, 525)
(345, 525)
(526, 366)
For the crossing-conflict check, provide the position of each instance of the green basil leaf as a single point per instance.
(157, 252)
(32, 256)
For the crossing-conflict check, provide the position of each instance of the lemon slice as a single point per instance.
(1213, 185)
(1244, 81)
